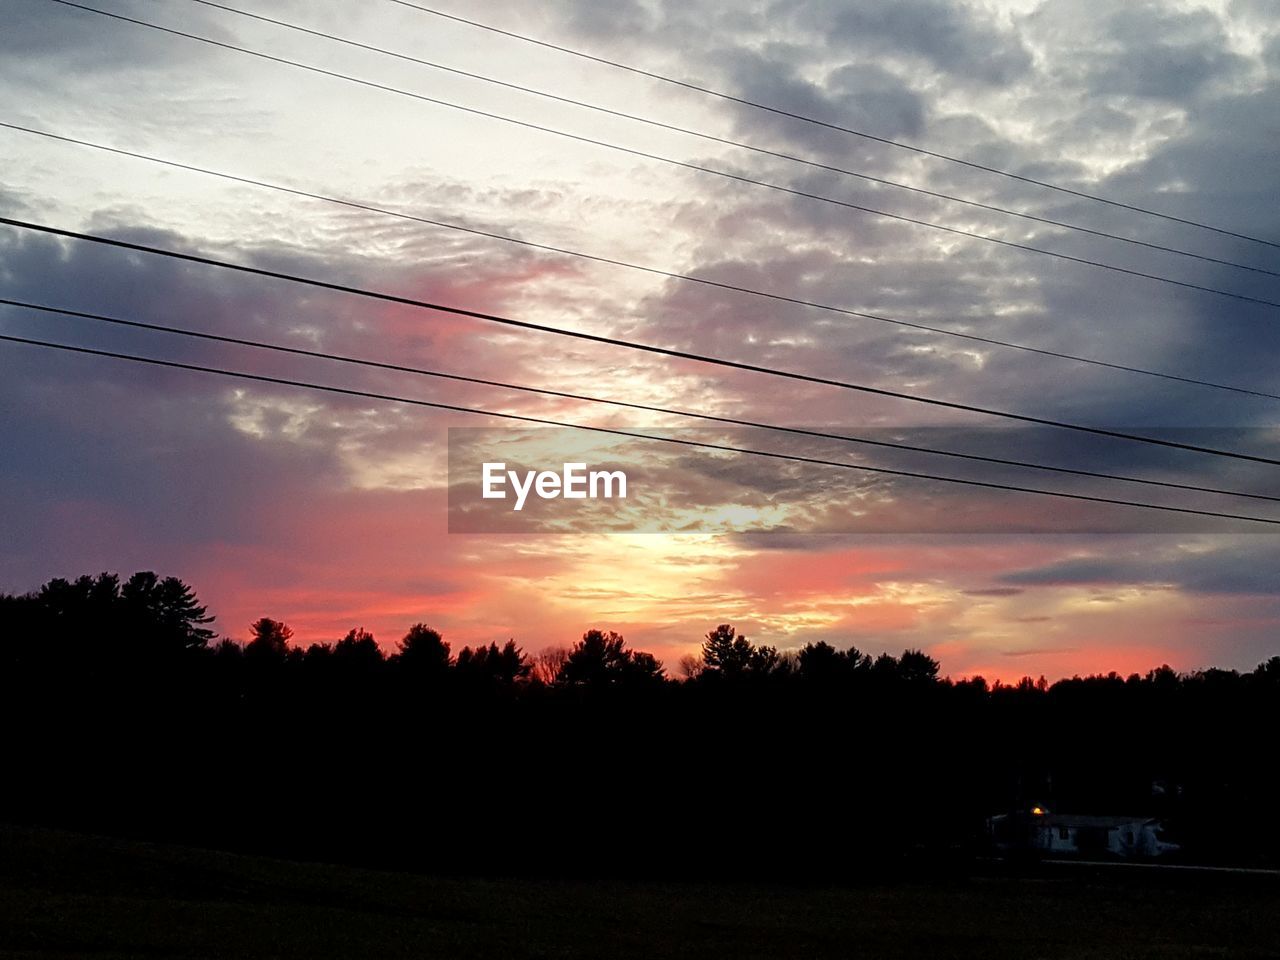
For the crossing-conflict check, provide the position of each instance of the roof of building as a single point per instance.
(1087, 820)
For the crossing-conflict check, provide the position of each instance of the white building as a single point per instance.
(1064, 834)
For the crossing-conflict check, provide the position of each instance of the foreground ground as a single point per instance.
(66, 895)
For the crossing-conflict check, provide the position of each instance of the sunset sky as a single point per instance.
(330, 513)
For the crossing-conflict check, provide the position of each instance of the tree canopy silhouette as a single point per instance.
(822, 663)
(494, 665)
(730, 655)
(165, 613)
(358, 650)
(104, 681)
(270, 640)
(423, 653)
(602, 659)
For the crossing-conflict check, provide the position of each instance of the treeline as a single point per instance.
(100, 626)
(126, 712)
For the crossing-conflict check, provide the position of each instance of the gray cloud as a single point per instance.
(1271, 54)
(1236, 568)
(859, 95)
(51, 39)
(1163, 54)
(597, 21)
(1035, 651)
(1140, 50)
(957, 39)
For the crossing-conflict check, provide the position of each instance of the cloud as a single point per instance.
(1238, 568)
(1146, 50)
(330, 511)
(859, 95)
(53, 38)
(600, 22)
(954, 38)
(1038, 651)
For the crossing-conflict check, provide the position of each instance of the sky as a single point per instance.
(331, 512)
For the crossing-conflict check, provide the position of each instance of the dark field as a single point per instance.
(67, 895)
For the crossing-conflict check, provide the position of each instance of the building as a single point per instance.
(1077, 835)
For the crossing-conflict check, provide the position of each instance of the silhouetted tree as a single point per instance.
(547, 663)
(766, 660)
(492, 665)
(318, 653)
(885, 668)
(597, 659)
(915, 666)
(510, 663)
(358, 650)
(270, 640)
(1268, 673)
(729, 654)
(83, 620)
(164, 613)
(691, 667)
(726, 653)
(645, 669)
(822, 663)
(601, 659)
(423, 654)
(1164, 678)
(87, 595)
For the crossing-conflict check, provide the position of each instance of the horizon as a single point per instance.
(389, 643)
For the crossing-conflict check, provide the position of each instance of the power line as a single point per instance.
(650, 408)
(565, 251)
(1083, 261)
(795, 458)
(1048, 221)
(628, 344)
(687, 85)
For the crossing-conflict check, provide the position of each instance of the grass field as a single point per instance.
(67, 895)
